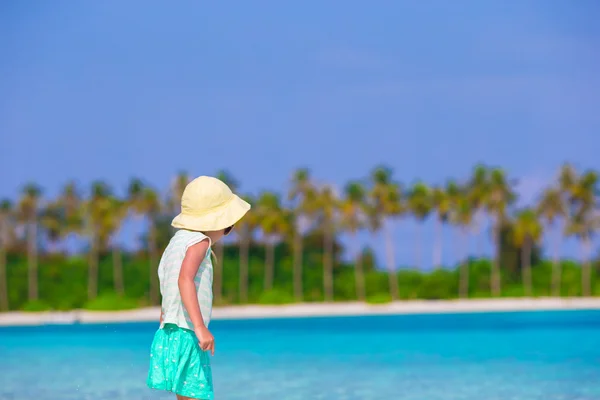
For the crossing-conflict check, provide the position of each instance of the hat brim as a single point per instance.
(216, 220)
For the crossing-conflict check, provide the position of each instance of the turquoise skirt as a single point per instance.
(178, 365)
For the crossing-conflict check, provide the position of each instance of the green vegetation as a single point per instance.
(287, 249)
(112, 302)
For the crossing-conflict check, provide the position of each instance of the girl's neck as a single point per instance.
(213, 236)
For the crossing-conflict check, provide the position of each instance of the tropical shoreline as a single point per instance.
(309, 310)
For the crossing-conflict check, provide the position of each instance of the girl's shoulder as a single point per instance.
(189, 238)
(192, 235)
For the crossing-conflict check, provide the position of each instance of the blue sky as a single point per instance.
(118, 89)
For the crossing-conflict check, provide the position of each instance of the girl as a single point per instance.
(179, 360)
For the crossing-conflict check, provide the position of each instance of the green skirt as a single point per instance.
(178, 365)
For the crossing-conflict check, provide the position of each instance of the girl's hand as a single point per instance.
(206, 339)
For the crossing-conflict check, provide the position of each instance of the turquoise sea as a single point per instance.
(491, 356)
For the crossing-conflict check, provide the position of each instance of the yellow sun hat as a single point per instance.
(207, 204)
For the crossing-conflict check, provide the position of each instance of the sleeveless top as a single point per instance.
(168, 274)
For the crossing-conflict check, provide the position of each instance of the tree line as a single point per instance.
(303, 226)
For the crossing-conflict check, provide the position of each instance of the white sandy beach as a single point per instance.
(309, 310)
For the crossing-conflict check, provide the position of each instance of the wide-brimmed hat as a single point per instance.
(207, 204)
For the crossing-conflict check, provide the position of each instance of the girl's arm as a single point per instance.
(189, 268)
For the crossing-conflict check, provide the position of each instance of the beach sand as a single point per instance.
(309, 310)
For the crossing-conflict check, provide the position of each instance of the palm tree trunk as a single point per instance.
(391, 262)
(269, 264)
(464, 268)
(495, 275)
(418, 245)
(118, 271)
(298, 290)
(218, 284)
(586, 268)
(556, 267)
(437, 249)
(474, 227)
(154, 289)
(244, 250)
(32, 260)
(526, 267)
(478, 236)
(358, 270)
(455, 251)
(328, 263)
(3, 275)
(93, 269)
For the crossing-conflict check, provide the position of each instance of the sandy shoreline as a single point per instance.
(308, 310)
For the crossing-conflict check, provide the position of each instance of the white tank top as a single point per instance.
(168, 274)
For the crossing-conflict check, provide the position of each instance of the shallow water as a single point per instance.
(504, 356)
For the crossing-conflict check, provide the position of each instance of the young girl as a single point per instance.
(179, 360)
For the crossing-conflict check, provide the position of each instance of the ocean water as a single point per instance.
(503, 356)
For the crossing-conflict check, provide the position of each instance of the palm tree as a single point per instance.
(152, 208)
(273, 224)
(527, 231)
(97, 210)
(552, 207)
(353, 220)
(478, 192)
(420, 204)
(53, 222)
(177, 187)
(227, 178)
(583, 225)
(440, 204)
(585, 191)
(567, 178)
(6, 220)
(28, 214)
(135, 195)
(245, 231)
(144, 201)
(443, 202)
(302, 196)
(386, 204)
(462, 216)
(328, 208)
(501, 196)
(456, 193)
(585, 220)
(116, 214)
(71, 209)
